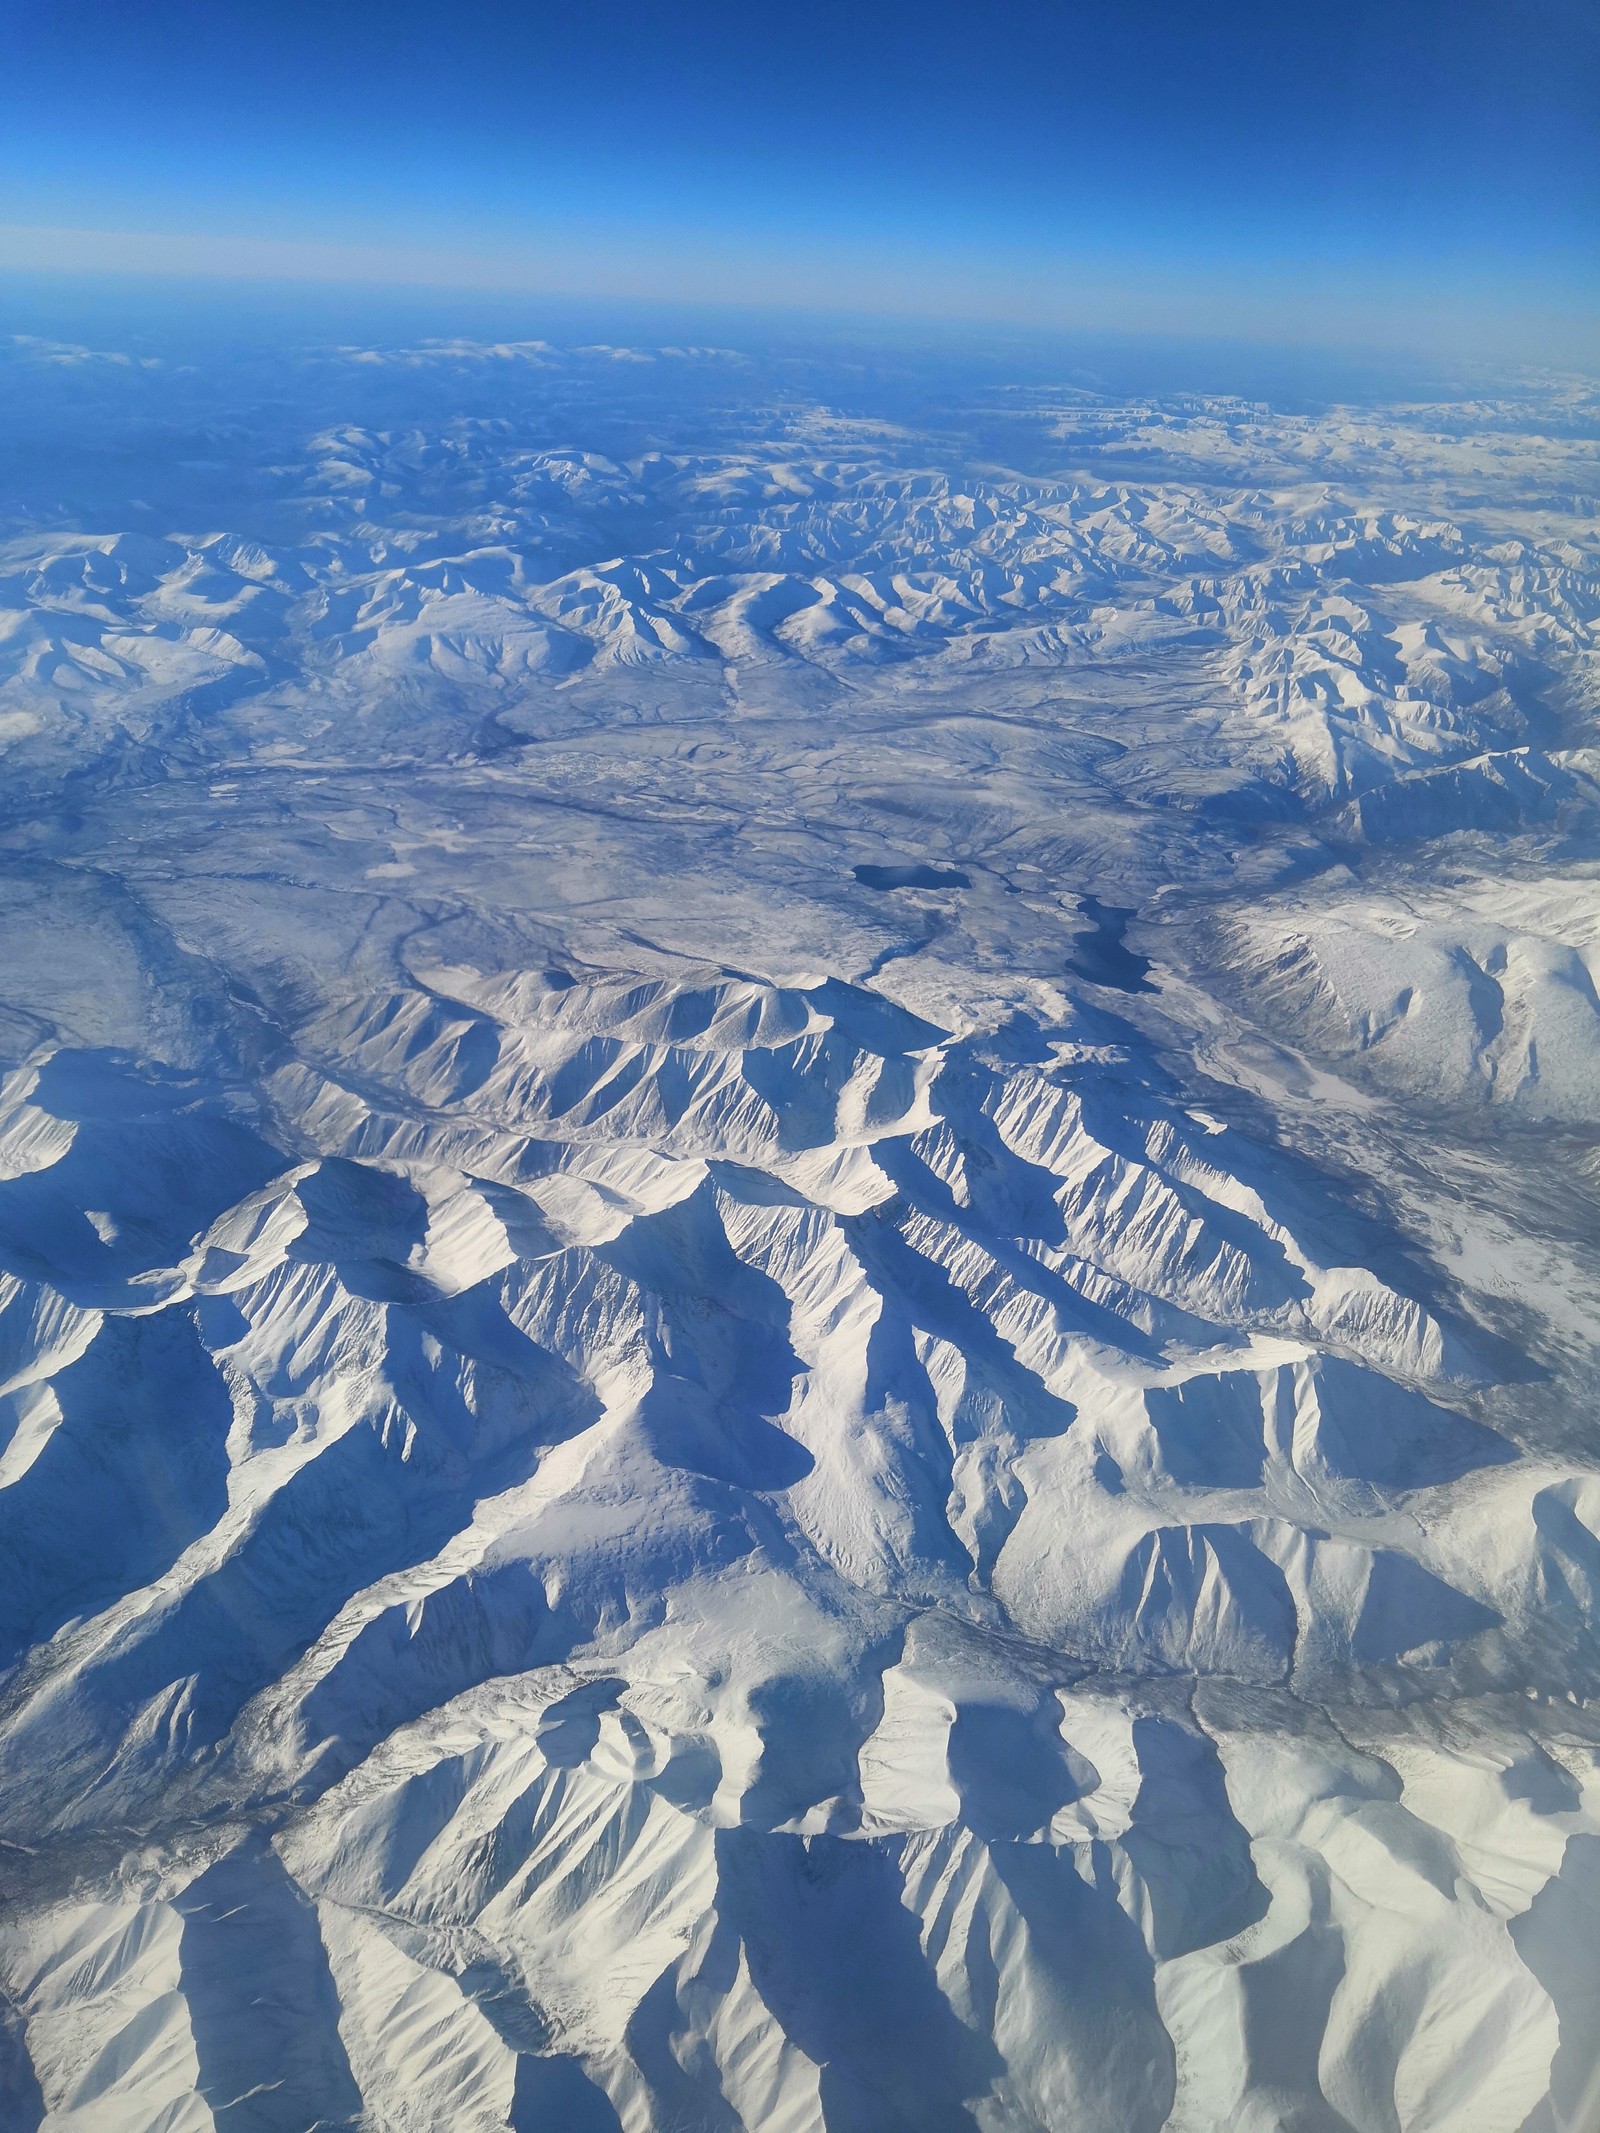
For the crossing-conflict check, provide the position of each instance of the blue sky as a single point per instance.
(1407, 170)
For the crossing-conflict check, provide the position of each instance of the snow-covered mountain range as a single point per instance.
(799, 1287)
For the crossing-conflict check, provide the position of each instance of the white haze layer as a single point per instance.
(798, 1287)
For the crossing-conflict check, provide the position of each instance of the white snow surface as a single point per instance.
(799, 1287)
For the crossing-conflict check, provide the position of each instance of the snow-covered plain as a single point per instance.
(799, 1297)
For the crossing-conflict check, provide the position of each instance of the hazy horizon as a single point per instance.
(1426, 179)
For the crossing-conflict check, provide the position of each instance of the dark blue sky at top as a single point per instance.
(1007, 157)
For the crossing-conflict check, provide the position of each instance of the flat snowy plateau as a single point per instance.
(799, 1270)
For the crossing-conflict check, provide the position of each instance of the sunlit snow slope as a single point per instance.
(799, 1297)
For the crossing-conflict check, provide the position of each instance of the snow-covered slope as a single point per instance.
(798, 1288)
